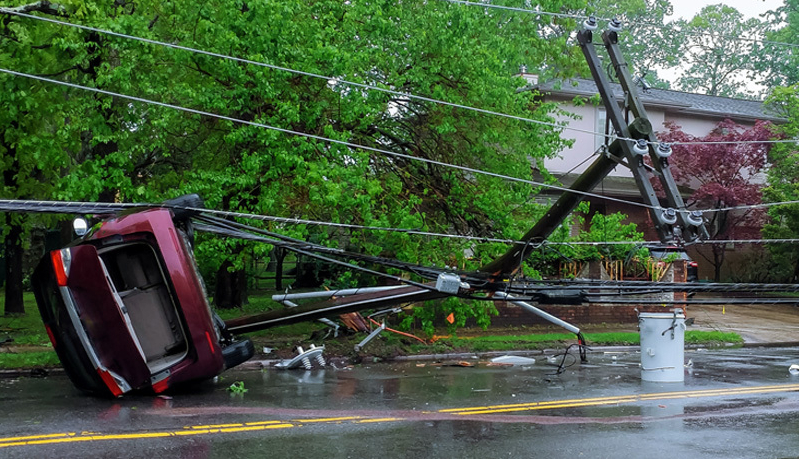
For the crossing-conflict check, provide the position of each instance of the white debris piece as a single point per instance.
(513, 360)
(304, 359)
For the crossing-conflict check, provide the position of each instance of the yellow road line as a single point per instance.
(576, 403)
(345, 418)
(365, 421)
(211, 429)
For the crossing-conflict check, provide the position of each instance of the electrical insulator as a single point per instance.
(663, 150)
(614, 25)
(640, 147)
(590, 23)
(669, 216)
(695, 218)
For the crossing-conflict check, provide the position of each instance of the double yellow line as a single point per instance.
(76, 437)
(616, 400)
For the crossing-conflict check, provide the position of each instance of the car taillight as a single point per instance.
(110, 382)
(161, 386)
(62, 260)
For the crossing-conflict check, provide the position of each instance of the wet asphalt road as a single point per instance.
(734, 403)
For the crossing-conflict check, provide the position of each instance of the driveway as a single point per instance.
(756, 323)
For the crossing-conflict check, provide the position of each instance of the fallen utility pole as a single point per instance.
(634, 141)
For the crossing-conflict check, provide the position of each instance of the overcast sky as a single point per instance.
(686, 9)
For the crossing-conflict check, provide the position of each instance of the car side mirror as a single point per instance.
(80, 226)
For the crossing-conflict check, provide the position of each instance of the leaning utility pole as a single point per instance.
(634, 141)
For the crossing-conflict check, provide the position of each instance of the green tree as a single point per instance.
(713, 67)
(783, 186)
(463, 54)
(776, 62)
(648, 41)
(33, 144)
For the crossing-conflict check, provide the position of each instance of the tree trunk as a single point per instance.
(280, 254)
(13, 253)
(231, 287)
(718, 261)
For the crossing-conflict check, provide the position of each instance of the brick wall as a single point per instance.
(592, 313)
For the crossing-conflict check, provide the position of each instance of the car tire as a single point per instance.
(237, 353)
(177, 205)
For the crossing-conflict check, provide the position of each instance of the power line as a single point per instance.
(304, 73)
(83, 207)
(523, 10)
(325, 139)
(373, 87)
(652, 24)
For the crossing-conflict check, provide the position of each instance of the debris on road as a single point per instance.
(304, 359)
(513, 360)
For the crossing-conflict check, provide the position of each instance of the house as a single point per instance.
(697, 114)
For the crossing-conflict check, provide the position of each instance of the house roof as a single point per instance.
(670, 101)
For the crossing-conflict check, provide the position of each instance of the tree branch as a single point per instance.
(43, 6)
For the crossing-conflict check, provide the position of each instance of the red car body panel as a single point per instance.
(100, 341)
(187, 287)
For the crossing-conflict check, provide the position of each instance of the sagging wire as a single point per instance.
(102, 208)
(296, 72)
(630, 287)
(377, 88)
(326, 139)
(295, 249)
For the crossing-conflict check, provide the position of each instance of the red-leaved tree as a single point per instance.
(723, 175)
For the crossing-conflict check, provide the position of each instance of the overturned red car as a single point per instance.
(126, 309)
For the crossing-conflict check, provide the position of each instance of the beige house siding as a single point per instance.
(695, 114)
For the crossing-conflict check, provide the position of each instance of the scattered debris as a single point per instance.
(38, 373)
(354, 321)
(498, 364)
(371, 336)
(513, 360)
(461, 363)
(237, 387)
(304, 358)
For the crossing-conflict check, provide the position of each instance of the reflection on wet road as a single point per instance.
(74, 437)
(733, 403)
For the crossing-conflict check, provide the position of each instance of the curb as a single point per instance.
(260, 364)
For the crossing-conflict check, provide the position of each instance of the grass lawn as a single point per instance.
(26, 342)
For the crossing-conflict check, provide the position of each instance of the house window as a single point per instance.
(601, 125)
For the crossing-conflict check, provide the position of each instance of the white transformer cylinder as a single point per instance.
(662, 345)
